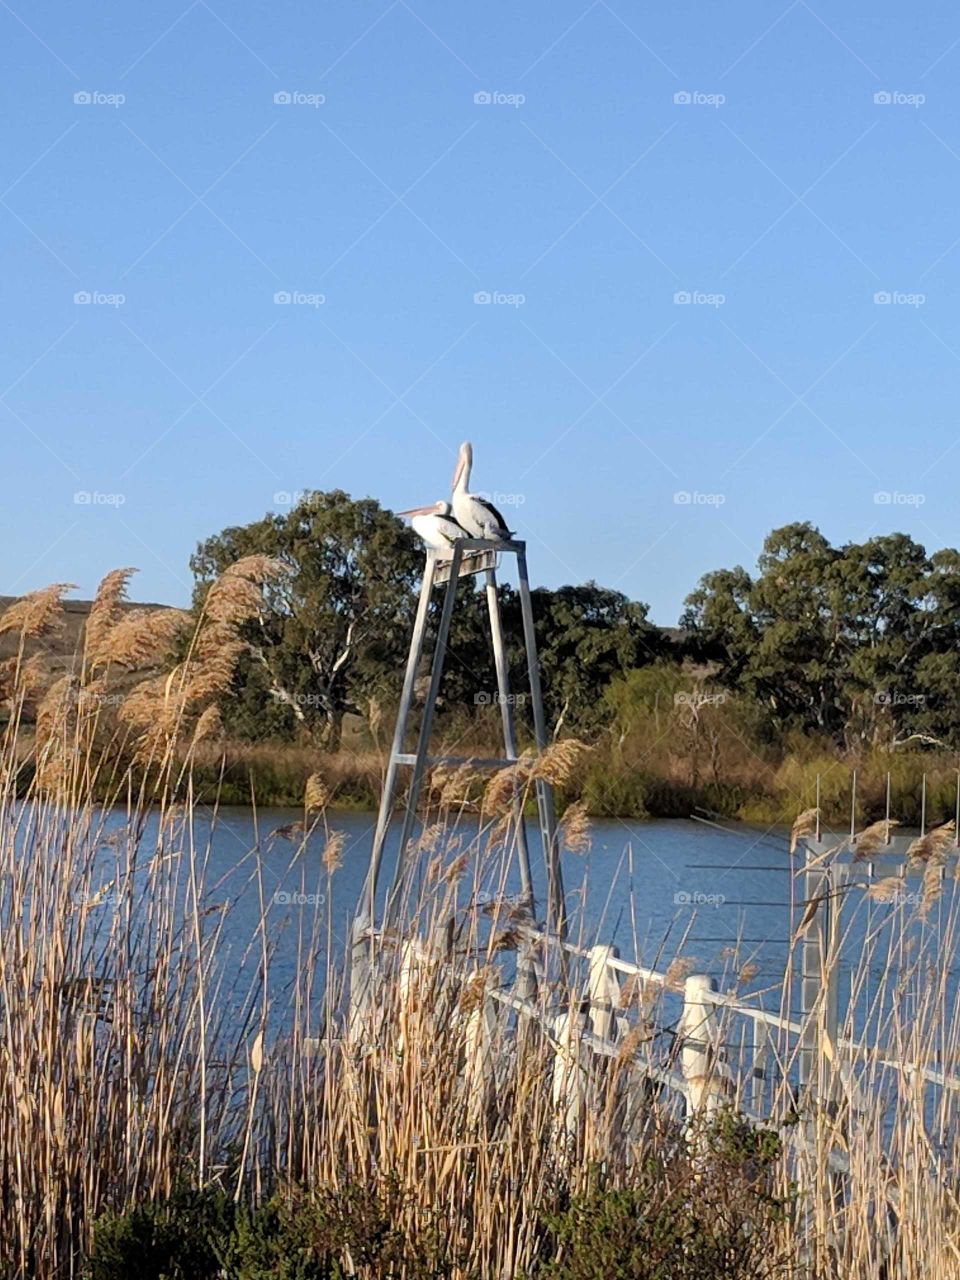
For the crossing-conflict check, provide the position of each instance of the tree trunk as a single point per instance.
(333, 731)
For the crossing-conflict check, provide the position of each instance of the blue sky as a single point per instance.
(792, 171)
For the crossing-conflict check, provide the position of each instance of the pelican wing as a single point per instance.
(493, 515)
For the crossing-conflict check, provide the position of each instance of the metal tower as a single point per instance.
(470, 556)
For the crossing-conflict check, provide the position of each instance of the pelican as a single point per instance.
(479, 518)
(436, 526)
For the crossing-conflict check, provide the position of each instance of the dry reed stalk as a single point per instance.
(106, 611)
(36, 614)
(125, 1070)
(804, 824)
(316, 794)
(576, 830)
(934, 845)
(333, 851)
(559, 763)
(872, 839)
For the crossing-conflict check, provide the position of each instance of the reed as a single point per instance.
(431, 1138)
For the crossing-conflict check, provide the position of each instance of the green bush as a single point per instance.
(705, 1211)
(203, 1235)
(180, 1238)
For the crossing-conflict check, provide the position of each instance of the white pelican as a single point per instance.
(436, 526)
(479, 518)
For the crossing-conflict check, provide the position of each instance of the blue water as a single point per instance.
(720, 899)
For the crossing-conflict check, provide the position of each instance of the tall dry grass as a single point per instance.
(132, 1063)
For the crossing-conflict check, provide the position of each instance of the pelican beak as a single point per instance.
(464, 462)
(417, 511)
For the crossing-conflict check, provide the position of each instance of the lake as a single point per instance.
(720, 898)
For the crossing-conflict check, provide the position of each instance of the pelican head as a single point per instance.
(440, 508)
(461, 477)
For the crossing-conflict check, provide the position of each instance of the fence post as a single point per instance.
(479, 1032)
(758, 1072)
(361, 977)
(819, 994)
(604, 991)
(568, 1070)
(707, 1076)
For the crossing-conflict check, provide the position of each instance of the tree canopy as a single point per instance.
(335, 629)
(858, 642)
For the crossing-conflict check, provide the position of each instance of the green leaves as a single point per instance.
(857, 642)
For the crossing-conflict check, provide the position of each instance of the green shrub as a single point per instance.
(297, 1235)
(704, 1211)
(180, 1238)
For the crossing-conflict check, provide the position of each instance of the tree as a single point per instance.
(856, 642)
(586, 636)
(335, 629)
